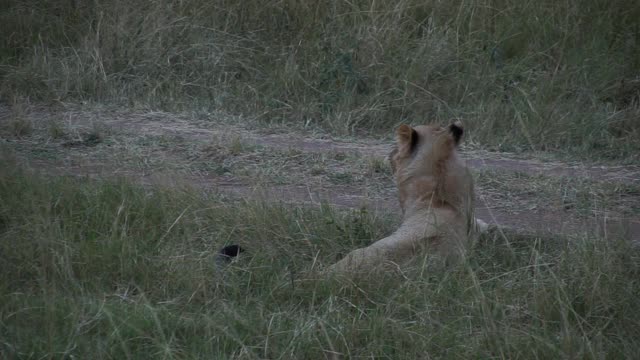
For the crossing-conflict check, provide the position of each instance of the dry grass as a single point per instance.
(518, 191)
(550, 76)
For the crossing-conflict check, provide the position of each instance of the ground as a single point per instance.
(116, 259)
(530, 193)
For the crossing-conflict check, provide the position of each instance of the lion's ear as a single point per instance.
(407, 138)
(457, 130)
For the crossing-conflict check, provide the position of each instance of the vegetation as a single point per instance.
(110, 270)
(542, 76)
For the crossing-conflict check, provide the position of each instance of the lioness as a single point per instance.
(436, 195)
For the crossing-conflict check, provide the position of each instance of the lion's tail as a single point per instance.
(226, 254)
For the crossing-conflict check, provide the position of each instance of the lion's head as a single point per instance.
(428, 170)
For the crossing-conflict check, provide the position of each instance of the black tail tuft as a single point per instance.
(231, 251)
(226, 254)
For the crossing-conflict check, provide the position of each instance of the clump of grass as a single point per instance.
(238, 146)
(341, 177)
(56, 130)
(377, 165)
(107, 269)
(550, 76)
(95, 135)
(220, 148)
(17, 123)
(19, 127)
(318, 170)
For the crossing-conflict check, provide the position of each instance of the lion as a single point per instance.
(436, 194)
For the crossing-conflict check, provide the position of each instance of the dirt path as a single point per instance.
(217, 153)
(163, 124)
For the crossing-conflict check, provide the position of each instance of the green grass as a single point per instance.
(525, 76)
(111, 270)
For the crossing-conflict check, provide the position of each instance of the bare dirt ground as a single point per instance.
(237, 157)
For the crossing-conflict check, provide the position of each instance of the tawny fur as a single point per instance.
(435, 190)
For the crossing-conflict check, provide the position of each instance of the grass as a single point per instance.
(105, 269)
(17, 124)
(108, 269)
(525, 76)
(581, 196)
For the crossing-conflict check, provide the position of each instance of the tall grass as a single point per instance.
(533, 75)
(110, 270)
